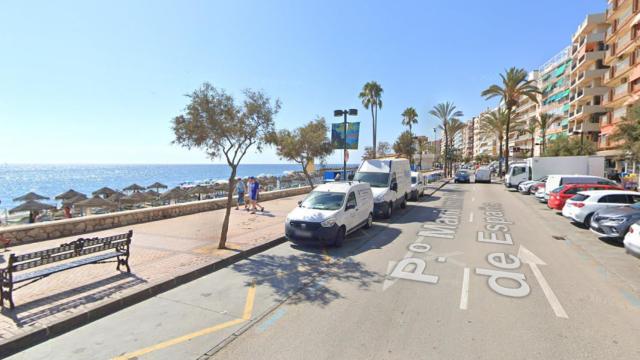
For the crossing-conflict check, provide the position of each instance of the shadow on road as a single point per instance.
(302, 277)
(29, 313)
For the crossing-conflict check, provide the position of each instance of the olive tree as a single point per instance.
(213, 122)
(404, 144)
(304, 144)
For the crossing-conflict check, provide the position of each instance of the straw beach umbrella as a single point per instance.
(134, 188)
(31, 196)
(199, 190)
(69, 194)
(155, 194)
(95, 202)
(157, 186)
(72, 201)
(104, 192)
(137, 198)
(174, 195)
(32, 207)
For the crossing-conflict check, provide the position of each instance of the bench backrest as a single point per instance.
(70, 250)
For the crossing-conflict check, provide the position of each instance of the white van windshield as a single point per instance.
(322, 200)
(374, 179)
(414, 180)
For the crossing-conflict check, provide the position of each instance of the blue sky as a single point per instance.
(99, 82)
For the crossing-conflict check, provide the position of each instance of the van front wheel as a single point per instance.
(403, 204)
(340, 237)
(389, 212)
(369, 222)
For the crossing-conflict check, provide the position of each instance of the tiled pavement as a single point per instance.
(160, 250)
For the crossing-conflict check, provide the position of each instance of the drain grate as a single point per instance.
(557, 237)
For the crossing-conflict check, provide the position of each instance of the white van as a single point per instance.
(483, 174)
(418, 182)
(555, 181)
(390, 181)
(329, 213)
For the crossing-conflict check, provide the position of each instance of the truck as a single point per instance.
(537, 167)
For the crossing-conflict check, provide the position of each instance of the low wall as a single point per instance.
(22, 234)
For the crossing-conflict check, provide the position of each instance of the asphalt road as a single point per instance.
(474, 272)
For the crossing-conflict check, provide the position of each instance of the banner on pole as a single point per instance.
(337, 135)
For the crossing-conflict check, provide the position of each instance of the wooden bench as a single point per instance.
(32, 267)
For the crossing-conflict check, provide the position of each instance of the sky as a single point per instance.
(100, 81)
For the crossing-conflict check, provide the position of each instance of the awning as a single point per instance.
(560, 70)
(564, 122)
(565, 107)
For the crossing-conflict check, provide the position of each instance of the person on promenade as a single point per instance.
(254, 190)
(240, 190)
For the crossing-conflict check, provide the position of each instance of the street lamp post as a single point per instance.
(337, 113)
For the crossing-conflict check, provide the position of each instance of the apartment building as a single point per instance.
(483, 144)
(586, 78)
(623, 76)
(520, 143)
(554, 84)
(467, 147)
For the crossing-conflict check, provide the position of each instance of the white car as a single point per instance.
(329, 213)
(632, 240)
(540, 195)
(581, 207)
(418, 182)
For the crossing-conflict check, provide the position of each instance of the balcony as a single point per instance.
(589, 23)
(586, 126)
(592, 74)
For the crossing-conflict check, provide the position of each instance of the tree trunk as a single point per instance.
(544, 142)
(501, 140)
(225, 223)
(373, 122)
(306, 174)
(506, 159)
(533, 143)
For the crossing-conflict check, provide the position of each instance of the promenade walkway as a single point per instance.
(160, 250)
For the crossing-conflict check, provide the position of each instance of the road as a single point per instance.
(474, 272)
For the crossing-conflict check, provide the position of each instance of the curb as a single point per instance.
(36, 336)
(445, 182)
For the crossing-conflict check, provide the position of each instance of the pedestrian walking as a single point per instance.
(240, 190)
(254, 190)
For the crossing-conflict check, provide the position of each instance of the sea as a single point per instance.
(51, 180)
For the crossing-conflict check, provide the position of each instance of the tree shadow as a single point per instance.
(35, 310)
(301, 278)
(416, 214)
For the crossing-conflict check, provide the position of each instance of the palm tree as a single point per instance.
(514, 87)
(445, 112)
(544, 122)
(532, 129)
(455, 126)
(371, 97)
(495, 123)
(409, 117)
(422, 147)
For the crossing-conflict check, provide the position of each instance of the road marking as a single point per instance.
(272, 320)
(528, 257)
(471, 217)
(441, 259)
(464, 294)
(246, 315)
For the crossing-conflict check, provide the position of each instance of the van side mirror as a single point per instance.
(394, 187)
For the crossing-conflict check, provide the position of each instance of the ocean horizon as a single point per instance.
(53, 179)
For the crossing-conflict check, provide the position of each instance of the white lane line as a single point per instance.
(464, 295)
(471, 217)
(551, 296)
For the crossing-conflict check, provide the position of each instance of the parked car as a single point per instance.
(390, 182)
(525, 187)
(615, 222)
(581, 207)
(555, 181)
(418, 182)
(560, 195)
(535, 187)
(540, 194)
(462, 177)
(483, 175)
(329, 213)
(632, 240)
